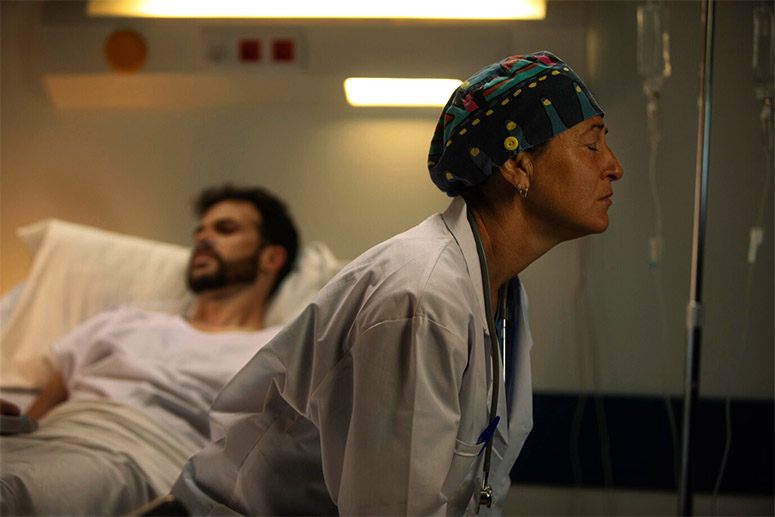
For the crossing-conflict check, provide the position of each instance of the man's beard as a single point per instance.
(242, 271)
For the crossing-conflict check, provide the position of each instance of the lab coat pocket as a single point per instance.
(457, 487)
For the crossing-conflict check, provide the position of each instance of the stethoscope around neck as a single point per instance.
(485, 492)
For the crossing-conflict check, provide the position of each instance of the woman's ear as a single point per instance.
(272, 258)
(518, 170)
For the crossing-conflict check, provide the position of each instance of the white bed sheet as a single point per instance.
(90, 458)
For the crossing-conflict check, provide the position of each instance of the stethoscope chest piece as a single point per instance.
(485, 497)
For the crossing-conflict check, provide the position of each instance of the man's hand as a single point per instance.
(52, 394)
(12, 421)
(9, 408)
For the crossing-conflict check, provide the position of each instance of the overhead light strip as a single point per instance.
(321, 9)
(393, 92)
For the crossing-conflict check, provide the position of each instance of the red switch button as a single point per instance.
(250, 50)
(283, 50)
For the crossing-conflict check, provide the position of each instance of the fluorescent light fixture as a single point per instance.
(376, 91)
(407, 9)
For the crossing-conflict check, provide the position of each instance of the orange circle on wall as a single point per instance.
(125, 50)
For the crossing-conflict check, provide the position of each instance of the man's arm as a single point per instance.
(52, 394)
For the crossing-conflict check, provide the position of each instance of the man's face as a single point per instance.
(227, 244)
(570, 191)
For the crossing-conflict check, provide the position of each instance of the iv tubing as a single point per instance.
(588, 341)
(655, 253)
(653, 127)
(768, 147)
(648, 44)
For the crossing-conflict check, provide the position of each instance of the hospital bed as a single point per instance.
(79, 271)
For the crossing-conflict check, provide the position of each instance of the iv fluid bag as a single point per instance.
(763, 50)
(653, 46)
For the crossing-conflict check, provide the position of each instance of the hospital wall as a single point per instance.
(354, 177)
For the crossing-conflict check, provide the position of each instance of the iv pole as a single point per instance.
(694, 307)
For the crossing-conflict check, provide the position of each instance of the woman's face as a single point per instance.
(571, 182)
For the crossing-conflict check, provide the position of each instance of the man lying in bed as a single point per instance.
(129, 402)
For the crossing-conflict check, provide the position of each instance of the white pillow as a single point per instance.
(79, 271)
(315, 266)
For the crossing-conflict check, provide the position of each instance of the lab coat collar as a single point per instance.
(456, 219)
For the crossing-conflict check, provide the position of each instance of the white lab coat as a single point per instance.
(372, 401)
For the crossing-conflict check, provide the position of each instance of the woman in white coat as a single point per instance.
(404, 387)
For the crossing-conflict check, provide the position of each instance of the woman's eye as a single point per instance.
(592, 147)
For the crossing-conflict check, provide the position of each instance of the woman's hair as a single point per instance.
(277, 226)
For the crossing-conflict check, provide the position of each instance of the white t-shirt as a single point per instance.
(155, 362)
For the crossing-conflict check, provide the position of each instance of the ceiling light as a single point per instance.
(408, 9)
(375, 91)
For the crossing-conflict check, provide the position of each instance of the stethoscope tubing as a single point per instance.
(493, 356)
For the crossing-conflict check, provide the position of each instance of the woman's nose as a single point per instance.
(614, 170)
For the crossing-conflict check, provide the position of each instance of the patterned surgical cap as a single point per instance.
(506, 107)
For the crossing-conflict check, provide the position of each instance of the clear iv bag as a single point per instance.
(653, 47)
(763, 51)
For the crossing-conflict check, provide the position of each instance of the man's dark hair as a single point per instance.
(276, 227)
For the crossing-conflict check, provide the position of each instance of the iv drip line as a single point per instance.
(763, 61)
(656, 243)
(744, 339)
(589, 340)
(654, 67)
(656, 246)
